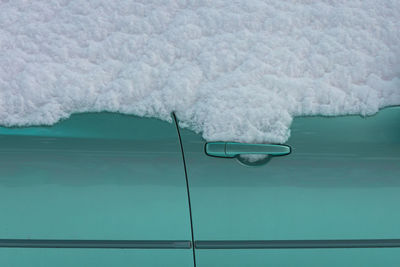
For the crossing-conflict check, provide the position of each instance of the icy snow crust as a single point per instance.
(232, 70)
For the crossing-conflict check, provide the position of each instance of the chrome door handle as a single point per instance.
(231, 150)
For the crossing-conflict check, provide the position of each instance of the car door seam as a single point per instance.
(187, 187)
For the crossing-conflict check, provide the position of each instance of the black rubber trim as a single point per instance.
(298, 244)
(107, 244)
(187, 186)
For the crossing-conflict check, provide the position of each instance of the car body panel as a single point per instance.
(341, 181)
(96, 176)
(355, 257)
(33, 257)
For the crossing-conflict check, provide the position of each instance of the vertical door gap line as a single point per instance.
(187, 186)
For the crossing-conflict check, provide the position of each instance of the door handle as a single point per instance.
(231, 150)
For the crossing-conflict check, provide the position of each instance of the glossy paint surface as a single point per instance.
(93, 177)
(341, 181)
(372, 257)
(16, 257)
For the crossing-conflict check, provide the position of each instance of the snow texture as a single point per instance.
(236, 70)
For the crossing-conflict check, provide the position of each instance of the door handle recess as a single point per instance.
(231, 150)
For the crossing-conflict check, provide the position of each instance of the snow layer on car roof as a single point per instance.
(232, 70)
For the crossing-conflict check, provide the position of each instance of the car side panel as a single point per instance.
(371, 257)
(33, 257)
(341, 182)
(93, 177)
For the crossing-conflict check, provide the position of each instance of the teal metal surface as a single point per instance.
(33, 257)
(94, 177)
(341, 181)
(365, 257)
(231, 150)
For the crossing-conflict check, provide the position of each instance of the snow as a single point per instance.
(232, 70)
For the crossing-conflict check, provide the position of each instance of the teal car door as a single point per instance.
(94, 190)
(333, 201)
